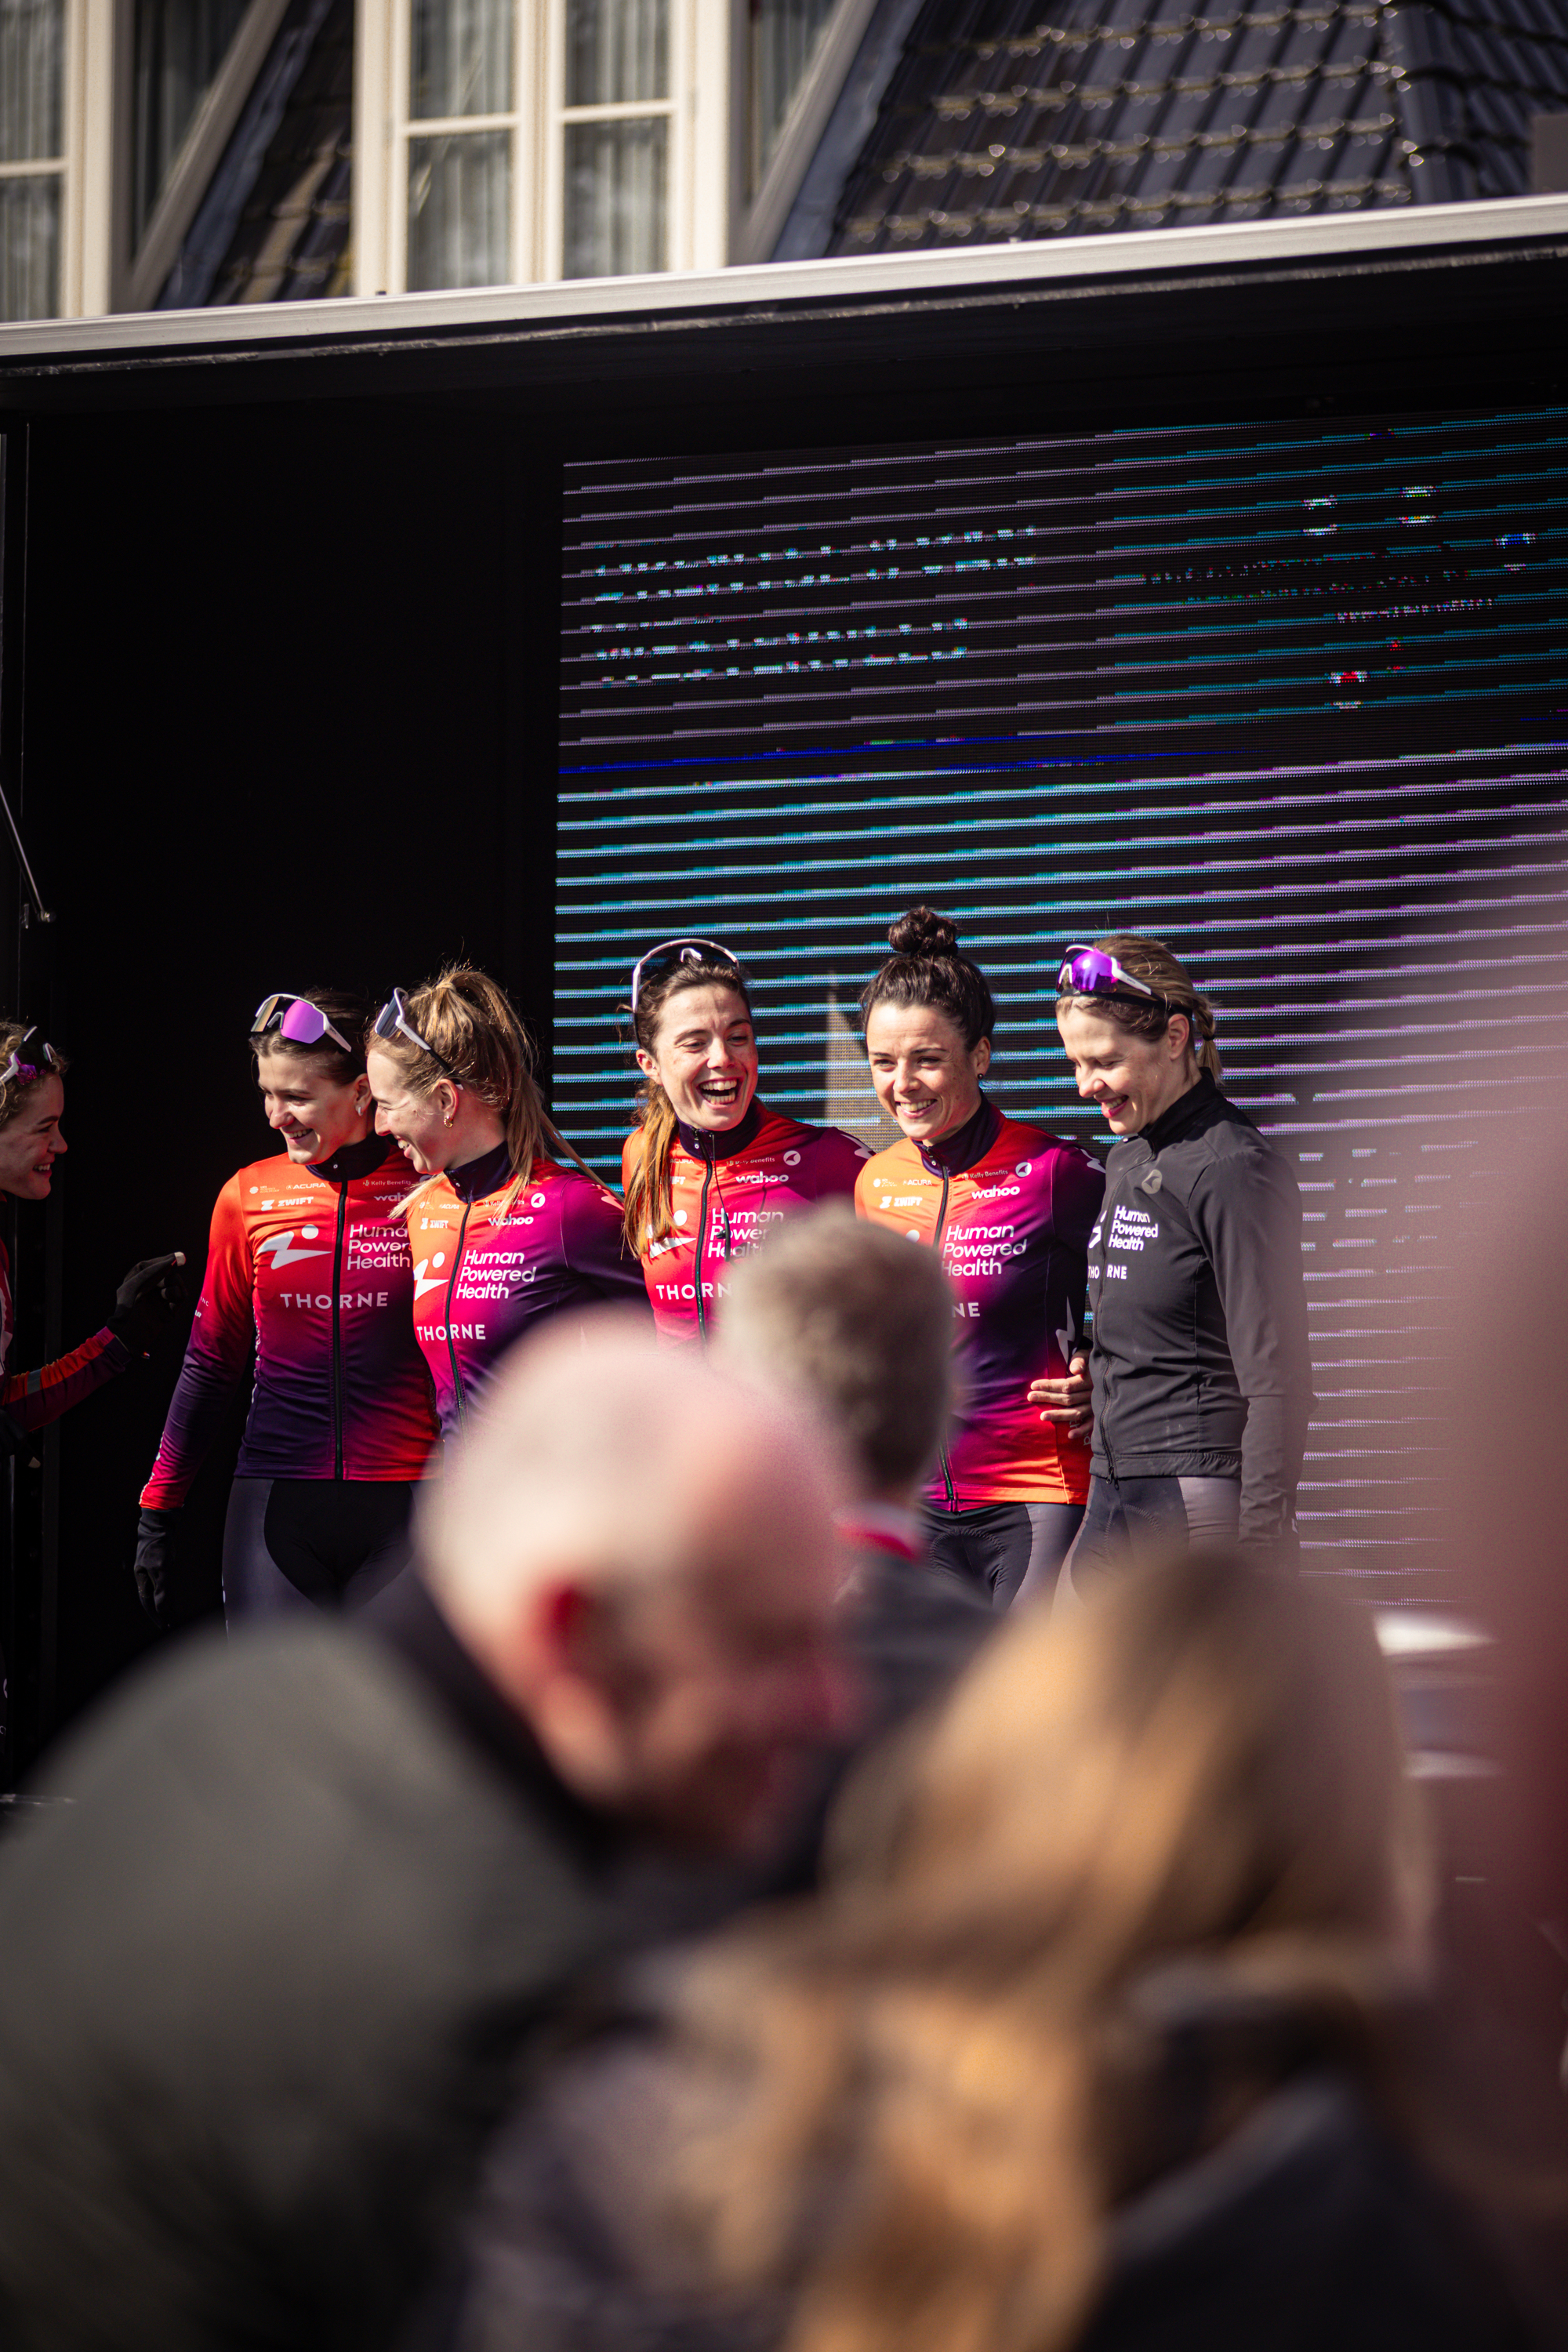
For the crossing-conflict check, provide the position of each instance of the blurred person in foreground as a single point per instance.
(272, 1975)
(843, 1318)
(1108, 2033)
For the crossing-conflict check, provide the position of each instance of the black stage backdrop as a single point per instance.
(1290, 696)
(272, 683)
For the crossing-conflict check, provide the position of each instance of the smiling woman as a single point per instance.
(1009, 1208)
(309, 1257)
(1200, 1366)
(507, 1229)
(709, 1168)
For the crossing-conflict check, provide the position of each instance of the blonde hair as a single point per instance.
(649, 1207)
(1151, 960)
(469, 1022)
(14, 1093)
(918, 2102)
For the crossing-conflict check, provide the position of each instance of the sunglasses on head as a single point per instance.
(296, 1018)
(684, 951)
(393, 1021)
(27, 1060)
(1091, 971)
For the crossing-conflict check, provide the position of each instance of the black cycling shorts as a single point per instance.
(998, 1544)
(311, 1543)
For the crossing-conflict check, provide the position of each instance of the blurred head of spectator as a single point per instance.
(638, 1554)
(1153, 1859)
(845, 1315)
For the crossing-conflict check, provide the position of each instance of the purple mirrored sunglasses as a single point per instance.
(1091, 971)
(27, 1060)
(303, 1023)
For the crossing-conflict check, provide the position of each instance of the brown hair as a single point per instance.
(847, 1314)
(1151, 960)
(15, 1092)
(348, 1012)
(917, 2103)
(925, 968)
(648, 1215)
(470, 1020)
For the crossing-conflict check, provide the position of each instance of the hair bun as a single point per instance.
(924, 932)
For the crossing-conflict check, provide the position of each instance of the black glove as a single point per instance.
(158, 1582)
(146, 1300)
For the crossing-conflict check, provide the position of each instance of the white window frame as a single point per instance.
(698, 110)
(85, 165)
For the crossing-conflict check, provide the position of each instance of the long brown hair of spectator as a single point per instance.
(648, 1217)
(1151, 960)
(920, 2101)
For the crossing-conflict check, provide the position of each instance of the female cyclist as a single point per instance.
(1201, 1381)
(508, 1226)
(709, 1168)
(1010, 1208)
(308, 1257)
(32, 1104)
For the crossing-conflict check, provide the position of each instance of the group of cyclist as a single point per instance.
(424, 1212)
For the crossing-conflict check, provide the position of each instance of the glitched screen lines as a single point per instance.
(1292, 696)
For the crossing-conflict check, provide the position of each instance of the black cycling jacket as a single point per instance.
(1199, 1355)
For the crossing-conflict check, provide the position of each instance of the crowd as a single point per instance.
(625, 1883)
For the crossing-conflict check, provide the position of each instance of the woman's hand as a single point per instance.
(1070, 1402)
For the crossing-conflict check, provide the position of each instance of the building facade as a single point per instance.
(176, 154)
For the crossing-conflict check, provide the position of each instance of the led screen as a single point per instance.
(1290, 696)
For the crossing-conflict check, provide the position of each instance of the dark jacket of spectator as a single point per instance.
(314, 1897)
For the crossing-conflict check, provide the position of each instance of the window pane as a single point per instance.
(460, 60)
(30, 246)
(180, 45)
(615, 175)
(459, 197)
(616, 50)
(784, 35)
(32, 66)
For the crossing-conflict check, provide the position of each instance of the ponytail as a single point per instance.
(477, 1041)
(1151, 960)
(648, 1205)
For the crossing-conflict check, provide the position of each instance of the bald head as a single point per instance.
(639, 1553)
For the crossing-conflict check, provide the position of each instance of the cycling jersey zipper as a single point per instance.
(338, 1334)
(703, 1244)
(936, 1245)
(451, 1287)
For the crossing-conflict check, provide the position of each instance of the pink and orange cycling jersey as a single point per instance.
(1010, 1208)
(725, 1191)
(313, 1263)
(484, 1272)
(34, 1399)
